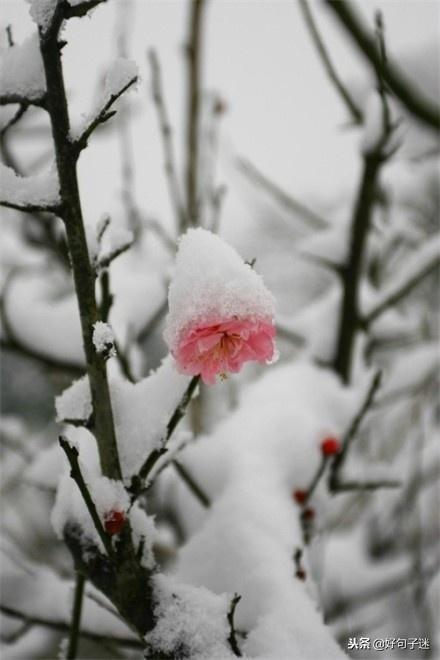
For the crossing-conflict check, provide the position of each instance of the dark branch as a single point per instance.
(343, 92)
(62, 626)
(192, 485)
(194, 62)
(32, 208)
(420, 107)
(167, 141)
(279, 195)
(76, 616)
(339, 459)
(104, 115)
(76, 474)
(232, 639)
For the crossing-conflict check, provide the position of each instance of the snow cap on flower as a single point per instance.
(220, 313)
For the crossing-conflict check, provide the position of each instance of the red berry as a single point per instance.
(301, 574)
(114, 521)
(299, 496)
(330, 446)
(308, 514)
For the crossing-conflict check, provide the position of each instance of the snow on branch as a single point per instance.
(122, 76)
(39, 192)
(418, 266)
(22, 74)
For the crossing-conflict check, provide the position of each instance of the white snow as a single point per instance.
(212, 282)
(244, 543)
(44, 320)
(75, 403)
(39, 189)
(103, 338)
(142, 411)
(42, 12)
(21, 70)
(191, 621)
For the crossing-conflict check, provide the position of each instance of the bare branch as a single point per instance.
(420, 107)
(193, 52)
(80, 9)
(76, 616)
(191, 483)
(103, 115)
(279, 195)
(424, 262)
(232, 639)
(31, 208)
(76, 474)
(63, 626)
(354, 110)
(339, 459)
(167, 141)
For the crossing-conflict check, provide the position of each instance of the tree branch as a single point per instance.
(193, 52)
(192, 485)
(103, 115)
(76, 616)
(354, 110)
(76, 474)
(339, 459)
(426, 260)
(66, 156)
(62, 626)
(232, 639)
(167, 141)
(279, 195)
(419, 106)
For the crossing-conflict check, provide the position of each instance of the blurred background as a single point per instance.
(280, 160)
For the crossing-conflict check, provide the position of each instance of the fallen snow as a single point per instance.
(39, 189)
(249, 466)
(21, 70)
(191, 621)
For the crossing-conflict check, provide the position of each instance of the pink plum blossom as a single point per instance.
(218, 348)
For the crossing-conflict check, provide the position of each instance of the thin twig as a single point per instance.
(279, 195)
(191, 483)
(232, 639)
(194, 61)
(339, 459)
(104, 115)
(420, 107)
(76, 474)
(343, 92)
(167, 141)
(63, 626)
(76, 616)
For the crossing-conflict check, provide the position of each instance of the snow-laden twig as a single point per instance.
(423, 262)
(76, 474)
(167, 141)
(104, 114)
(63, 626)
(353, 108)
(335, 482)
(232, 639)
(156, 454)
